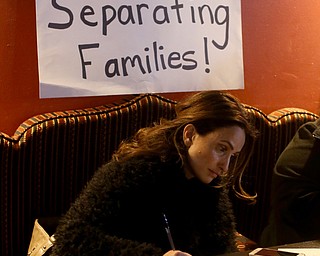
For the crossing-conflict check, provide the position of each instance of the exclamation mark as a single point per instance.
(206, 55)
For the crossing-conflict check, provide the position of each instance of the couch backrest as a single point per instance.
(50, 158)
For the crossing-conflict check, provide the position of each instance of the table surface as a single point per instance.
(307, 244)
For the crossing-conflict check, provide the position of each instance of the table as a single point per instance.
(307, 244)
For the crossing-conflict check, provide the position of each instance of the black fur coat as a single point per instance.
(120, 212)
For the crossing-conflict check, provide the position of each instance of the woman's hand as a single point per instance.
(176, 253)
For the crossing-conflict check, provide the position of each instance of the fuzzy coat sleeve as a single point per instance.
(87, 228)
(117, 213)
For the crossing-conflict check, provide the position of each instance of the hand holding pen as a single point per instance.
(173, 251)
(176, 253)
(167, 228)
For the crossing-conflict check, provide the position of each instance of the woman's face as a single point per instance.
(209, 155)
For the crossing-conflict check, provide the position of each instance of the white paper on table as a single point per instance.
(306, 251)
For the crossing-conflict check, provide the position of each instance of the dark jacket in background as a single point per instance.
(120, 212)
(295, 214)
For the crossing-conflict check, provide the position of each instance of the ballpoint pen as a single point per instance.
(167, 228)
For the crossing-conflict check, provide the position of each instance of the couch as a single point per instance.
(51, 156)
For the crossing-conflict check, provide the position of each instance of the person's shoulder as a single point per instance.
(133, 167)
(115, 175)
(316, 132)
(312, 125)
(308, 130)
(299, 148)
(139, 162)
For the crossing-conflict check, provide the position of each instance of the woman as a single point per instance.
(176, 173)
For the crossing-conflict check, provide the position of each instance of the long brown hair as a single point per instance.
(207, 111)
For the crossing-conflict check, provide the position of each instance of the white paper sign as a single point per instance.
(109, 47)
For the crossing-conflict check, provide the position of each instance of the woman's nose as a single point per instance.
(224, 164)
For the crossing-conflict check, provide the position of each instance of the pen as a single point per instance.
(167, 228)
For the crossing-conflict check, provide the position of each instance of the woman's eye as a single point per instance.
(223, 149)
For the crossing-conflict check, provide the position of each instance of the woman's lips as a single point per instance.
(213, 173)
